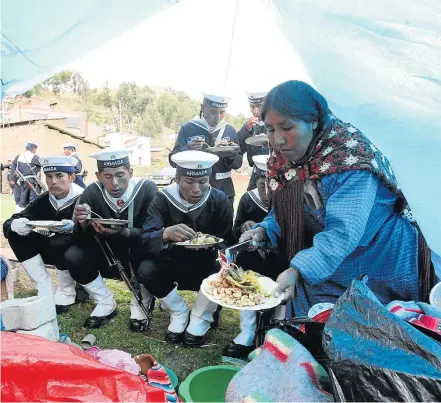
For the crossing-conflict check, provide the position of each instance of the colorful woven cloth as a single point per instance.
(282, 370)
(418, 313)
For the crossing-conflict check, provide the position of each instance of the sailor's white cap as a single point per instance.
(256, 98)
(194, 163)
(215, 101)
(260, 161)
(113, 158)
(58, 163)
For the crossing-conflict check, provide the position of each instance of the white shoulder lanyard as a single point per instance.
(131, 209)
(219, 136)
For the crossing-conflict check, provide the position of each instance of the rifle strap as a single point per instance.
(131, 211)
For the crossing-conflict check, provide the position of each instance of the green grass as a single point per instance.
(116, 334)
(7, 206)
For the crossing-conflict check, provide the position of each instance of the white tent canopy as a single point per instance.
(377, 63)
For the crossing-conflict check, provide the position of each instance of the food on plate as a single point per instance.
(202, 239)
(227, 143)
(235, 286)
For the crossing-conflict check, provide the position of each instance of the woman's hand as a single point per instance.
(247, 226)
(286, 283)
(257, 235)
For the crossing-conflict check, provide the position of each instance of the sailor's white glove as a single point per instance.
(19, 225)
(66, 228)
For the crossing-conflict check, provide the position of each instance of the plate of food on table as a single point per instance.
(201, 241)
(257, 140)
(224, 144)
(236, 288)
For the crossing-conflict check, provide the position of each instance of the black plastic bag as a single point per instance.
(375, 356)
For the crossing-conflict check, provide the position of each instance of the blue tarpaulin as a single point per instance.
(378, 64)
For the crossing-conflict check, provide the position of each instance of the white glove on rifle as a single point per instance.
(19, 225)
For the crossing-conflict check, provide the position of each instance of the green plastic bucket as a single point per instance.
(173, 377)
(207, 384)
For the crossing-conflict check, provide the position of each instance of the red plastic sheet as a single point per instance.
(36, 369)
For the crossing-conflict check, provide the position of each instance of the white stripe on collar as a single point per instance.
(202, 123)
(171, 192)
(254, 194)
(60, 204)
(128, 196)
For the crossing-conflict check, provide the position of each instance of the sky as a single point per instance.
(191, 53)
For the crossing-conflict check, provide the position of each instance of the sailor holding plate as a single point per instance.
(253, 127)
(208, 130)
(115, 195)
(34, 249)
(176, 214)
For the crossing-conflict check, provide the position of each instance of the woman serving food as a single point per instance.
(327, 169)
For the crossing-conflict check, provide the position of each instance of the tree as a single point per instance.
(151, 124)
(186, 111)
(79, 85)
(236, 121)
(134, 100)
(60, 81)
(34, 91)
(106, 97)
(168, 104)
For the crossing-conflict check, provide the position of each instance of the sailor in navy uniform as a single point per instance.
(179, 211)
(33, 249)
(253, 205)
(252, 127)
(29, 166)
(69, 149)
(115, 195)
(208, 129)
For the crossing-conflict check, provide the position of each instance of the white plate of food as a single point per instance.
(109, 221)
(202, 241)
(45, 224)
(224, 145)
(257, 140)
(235, 288)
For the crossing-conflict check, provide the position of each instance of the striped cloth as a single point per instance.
(362, 235)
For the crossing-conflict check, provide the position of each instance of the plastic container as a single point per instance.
(207, 384)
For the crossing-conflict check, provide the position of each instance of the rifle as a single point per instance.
(28, 182)
(40, 183)
(35, 176)
(132, 284)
